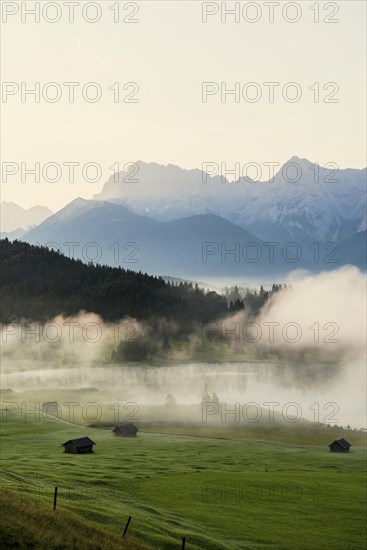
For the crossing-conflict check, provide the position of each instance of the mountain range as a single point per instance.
(302, 202)
(15, 220)
(186, 223)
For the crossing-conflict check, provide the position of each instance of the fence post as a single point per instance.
(55, 498)
(127, 526)
(183, 543)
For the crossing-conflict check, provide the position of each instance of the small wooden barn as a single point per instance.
(126, 429)
(80, 445)
(340, 446)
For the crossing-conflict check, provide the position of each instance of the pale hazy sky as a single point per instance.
(169, 53)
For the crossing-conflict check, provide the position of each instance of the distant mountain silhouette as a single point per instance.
(200, 245)
(189, 224)
(15, 218)
(303, 202)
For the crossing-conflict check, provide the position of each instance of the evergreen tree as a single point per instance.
(215, 399)
(206, 395)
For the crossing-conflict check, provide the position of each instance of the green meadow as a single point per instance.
(226, 488)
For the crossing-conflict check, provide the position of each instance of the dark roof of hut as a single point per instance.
(342, 442)
(126, 427)
(80, 442)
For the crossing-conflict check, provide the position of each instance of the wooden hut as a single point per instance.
(126, 429)
(340, 446)
(81, 445)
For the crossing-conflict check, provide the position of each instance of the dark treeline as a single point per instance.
(38, 283)
(250, 300)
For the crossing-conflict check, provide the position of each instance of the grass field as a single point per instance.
(236, 492)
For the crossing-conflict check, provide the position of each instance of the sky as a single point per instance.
(166, 56)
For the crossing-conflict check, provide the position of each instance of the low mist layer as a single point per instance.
(311, 349)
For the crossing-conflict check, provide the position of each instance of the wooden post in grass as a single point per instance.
(183, 543)
(127, 526)
(55, 498)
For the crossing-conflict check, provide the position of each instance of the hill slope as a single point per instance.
(39, 283)
(204, 245)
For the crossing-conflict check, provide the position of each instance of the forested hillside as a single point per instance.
(38, 283)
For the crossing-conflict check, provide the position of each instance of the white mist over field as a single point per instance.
(74, 354)
(335, 305)
(337, 298)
